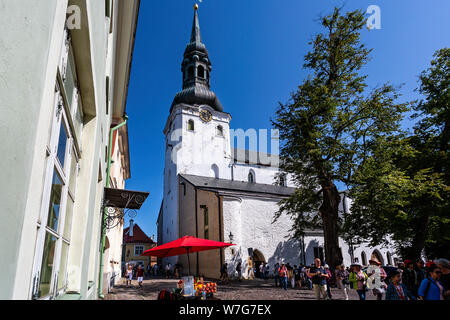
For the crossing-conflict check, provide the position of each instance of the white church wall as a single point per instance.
(263, 174)
(250, 221)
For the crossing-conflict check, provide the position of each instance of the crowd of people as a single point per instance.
(410, 280)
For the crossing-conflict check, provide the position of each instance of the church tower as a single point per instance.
(197, 132)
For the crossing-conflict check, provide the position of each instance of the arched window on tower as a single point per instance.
(219, 131)
(190, 125)
(251, 176)
(201, 72)
(191, 72)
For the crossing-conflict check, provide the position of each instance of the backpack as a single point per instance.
(165, 295)
(427, 289)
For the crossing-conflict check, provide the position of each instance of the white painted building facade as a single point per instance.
(62, 86)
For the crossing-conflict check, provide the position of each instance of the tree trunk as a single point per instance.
(329, 211)
(418, 242)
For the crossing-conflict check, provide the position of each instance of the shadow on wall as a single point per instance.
(289, 251)
(309, 251)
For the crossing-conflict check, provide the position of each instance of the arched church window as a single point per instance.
(191, 126)
(389, 258)
(363, 258)
(215, 171)
(201, 72)
(251, 176)
(219, 131)
(191, 72)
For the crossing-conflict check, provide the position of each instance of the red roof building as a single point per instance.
(135, 244)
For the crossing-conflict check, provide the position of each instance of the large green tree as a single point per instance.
(402, 191)
(327, 127)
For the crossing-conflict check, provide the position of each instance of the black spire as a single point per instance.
(196, 69)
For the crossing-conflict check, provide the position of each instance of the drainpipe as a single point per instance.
(108, 171)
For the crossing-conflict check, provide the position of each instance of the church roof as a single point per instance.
(239, 186)
(254, 157)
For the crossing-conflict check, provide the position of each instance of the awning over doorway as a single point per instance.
(124, 199)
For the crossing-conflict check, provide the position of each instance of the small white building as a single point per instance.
(217, 192)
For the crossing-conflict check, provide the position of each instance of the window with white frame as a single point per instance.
(138, 250)
(55, 223)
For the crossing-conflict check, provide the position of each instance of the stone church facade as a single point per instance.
(217, 192)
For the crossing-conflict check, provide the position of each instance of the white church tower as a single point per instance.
(197, 132)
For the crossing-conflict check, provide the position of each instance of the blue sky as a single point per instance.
(257, 49)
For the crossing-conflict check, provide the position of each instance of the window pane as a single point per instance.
(55, 202)
(68, 220)
(69, 82)
(73, 174)
(47, 265)
(63, 266)
(62, 143)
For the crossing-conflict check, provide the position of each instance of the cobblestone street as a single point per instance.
(246, 290)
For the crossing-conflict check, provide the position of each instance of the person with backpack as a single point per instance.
(431, 288)
(342, 279)
(358, 278)
(283, 273)
(397, 290)
(318, 275)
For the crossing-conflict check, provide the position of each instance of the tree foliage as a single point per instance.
(403, 189)
(329, 125)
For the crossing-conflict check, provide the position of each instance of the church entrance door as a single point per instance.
(258, 259)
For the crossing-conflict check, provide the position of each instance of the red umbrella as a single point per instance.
(184, 245)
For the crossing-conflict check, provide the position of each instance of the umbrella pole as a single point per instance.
(189, 263)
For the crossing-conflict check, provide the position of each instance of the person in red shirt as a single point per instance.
(140, 275)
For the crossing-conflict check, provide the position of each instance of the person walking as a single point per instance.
(378, 292)
(328, 279)
(443, 264)
(431, 288)
(283, 272)
(224, 273)
(342, 279)
(308, 279)
(297, 278)
(129, 274)
(276, 275)
(266, 271)
(239, 271)
(168, 266)
(420, 269)
(397, 290)
(140, 275)
(250, 271)
(410, 277)
(358, 278)
(318, 276)
(291, 276)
